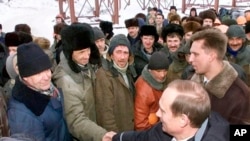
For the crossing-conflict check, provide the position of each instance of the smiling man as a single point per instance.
(237, 50)
(35, 107)
(75, 75)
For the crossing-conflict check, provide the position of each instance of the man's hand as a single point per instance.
(108, 136)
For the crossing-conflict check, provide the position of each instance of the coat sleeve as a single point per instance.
(105, 102)
(80, 126)
(153, 134)
(142, 105)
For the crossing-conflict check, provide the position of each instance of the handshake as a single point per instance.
(108, 136)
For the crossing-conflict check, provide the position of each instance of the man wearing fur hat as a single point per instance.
(228, 93)
(238, 51)
(189, 28)
(35, 107)
(208, 17)
(75, 75)
(147, 45)
(132, 26)
(115, 87)
(149, 88)
(172, 35)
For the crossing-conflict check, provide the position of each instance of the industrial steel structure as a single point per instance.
(113, 6)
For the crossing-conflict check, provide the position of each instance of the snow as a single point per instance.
(40, 14)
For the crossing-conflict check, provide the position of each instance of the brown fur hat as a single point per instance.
(43, 42)
(191, 26)
(174, 17)
(131, 22)
(208, 14)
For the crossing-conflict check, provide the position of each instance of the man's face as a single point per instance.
(120, 55)
(200, 58)
(188, 35)
(12, 50)
(81, 56)
(173, 43)
(40, 81)
(147, 41)
(170, 123)
(159, 20)
(235, 43)
(159, 75)
(133, 31)
(100, 43)
(208, 22)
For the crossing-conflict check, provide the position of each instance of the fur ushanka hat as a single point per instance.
(77, 37)
(191, 26)
(171, 28)
(131, 22)
(208, 14)
(149, 30)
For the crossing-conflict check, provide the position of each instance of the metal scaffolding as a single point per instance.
(113, 6)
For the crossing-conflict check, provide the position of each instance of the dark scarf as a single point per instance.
(34, 100)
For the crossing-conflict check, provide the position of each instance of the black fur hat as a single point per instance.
(107, 28)
(12, 39)
(77, 37)
(149, 30)
(131, 22)
(172, 28)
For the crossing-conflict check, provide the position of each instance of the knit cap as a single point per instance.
(235, 31)
(158, 61)
(31, 59)
(119, 39)
(98, 33)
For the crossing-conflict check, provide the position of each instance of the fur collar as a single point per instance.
(152, 82)
(219, 85)
(33, 100)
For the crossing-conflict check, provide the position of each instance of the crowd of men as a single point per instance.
(170, 78)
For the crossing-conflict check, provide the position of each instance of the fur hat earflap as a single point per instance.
(77, 37)
(191, 26)
(208, 14)
(172, 28)
(131, 22)
(149, 30)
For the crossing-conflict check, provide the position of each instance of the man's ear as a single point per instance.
(184, 120)
(16, 69)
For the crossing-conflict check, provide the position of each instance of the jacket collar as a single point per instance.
(219, 85)
(33, 100)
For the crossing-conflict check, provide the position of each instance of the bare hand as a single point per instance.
(108, 136)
